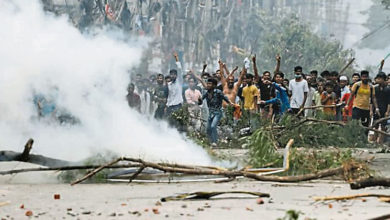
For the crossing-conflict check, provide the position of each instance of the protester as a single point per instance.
(133, 98)
(266, 90)
(299, 90)
(143, 90)
(192, 94)
(363, 93)
(175, 88)
(250, 94)
(214, 99)
(344, 89)
(281, 102)
(347, 110)
(382, 95)
(317, 97)
(286, 83)
(160, 96)
(240, 89)
(355, 78)
(325, 75)
(314, 76)
(329, 97)
(230, 88)
(310, 96)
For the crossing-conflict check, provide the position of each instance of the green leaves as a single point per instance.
(299, 45)
(261, 150)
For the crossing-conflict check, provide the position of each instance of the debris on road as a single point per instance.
(208, 195)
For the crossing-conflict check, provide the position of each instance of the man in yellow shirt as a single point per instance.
(250, 94)
(364, 96)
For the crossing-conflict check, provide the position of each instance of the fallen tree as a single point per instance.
(255, 174)
(344, 170)
(369, 182)
(25, 156)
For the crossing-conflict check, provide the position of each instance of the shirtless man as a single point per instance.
(229, 88)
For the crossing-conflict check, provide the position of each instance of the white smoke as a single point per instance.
(42, 53)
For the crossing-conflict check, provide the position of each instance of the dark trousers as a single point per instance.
(160, 112)
(173, 108)
(361, 114)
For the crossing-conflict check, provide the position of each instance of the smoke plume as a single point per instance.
(87, 76)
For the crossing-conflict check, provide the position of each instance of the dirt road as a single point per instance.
(141, 201)
(129, 201)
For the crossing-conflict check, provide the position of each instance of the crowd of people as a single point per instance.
(328, 94)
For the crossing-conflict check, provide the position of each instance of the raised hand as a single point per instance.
(278, 58)
(254, 58)
(176, 56)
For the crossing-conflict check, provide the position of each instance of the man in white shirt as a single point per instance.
(175, 88)
(299, 90)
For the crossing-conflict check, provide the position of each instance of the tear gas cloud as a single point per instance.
(87, 76)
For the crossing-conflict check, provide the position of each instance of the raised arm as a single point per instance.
(222, 73)
(199, 79)
(234, 70)
(255, 68)
(204, 68)
(226, 69)
(381, 66)
(179, 77)
(277, 68)
(242, 75)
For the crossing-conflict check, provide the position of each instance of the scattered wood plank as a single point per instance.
(346, 66)
(349, 197)
(382, 217)
(208, 195)
(379, 121)
(4, 203)
(64, 168)
(92, 173)
(369, 182)
(316, 107)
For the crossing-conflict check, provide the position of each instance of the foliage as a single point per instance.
(386, 3)
(213, 30)
(291, 215)
(316, 135)
(299, 45)
(96, 159)
(303, 160)
(180, 117)
(261, 150)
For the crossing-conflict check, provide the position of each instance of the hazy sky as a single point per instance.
(356, 29)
